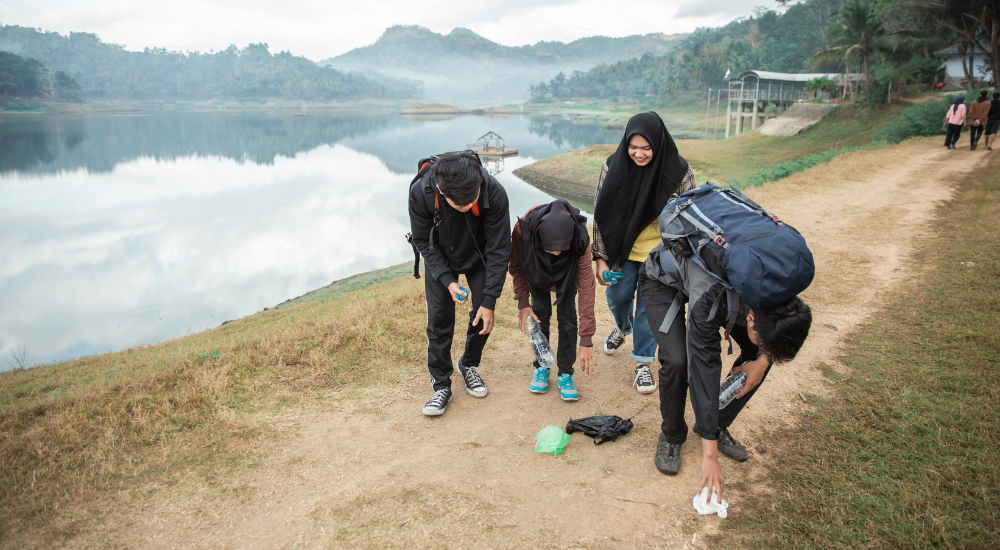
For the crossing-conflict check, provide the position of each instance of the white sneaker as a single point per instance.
(614, 341)
(644, 382)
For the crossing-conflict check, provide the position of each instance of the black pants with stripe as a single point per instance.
(541, 304)
(441, 328)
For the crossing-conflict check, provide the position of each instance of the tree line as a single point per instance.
(108, 71)
(890, 41)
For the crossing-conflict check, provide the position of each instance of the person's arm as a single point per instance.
(521, 293)
(704, 372)
(597, 250)
(421, 222)
(497, 249)
(588, 322)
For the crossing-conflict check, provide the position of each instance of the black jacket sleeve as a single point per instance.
(497, 230)
(421, 222)
(704, 361)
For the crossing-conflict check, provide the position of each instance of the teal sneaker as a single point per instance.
(567, 390)
(540, 383)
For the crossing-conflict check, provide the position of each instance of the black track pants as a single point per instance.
(441, 328)
(672, 354)
(541, 304)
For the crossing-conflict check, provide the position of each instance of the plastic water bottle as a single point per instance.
(731, 387)
(539, 343)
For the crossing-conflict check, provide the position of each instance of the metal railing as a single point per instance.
(767, 95)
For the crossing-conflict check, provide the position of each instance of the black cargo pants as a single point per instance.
(672, 354)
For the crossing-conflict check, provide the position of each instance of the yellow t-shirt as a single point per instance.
(645, 242)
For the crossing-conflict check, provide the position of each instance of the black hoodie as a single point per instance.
(456, 251)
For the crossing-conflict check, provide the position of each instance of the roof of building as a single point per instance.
(953, 50)
(794, 77)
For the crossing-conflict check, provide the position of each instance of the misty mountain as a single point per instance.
(108, 71)
(465, 68)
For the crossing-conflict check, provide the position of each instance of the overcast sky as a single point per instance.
(318, 29)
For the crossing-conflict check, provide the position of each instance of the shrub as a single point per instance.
(922, 119)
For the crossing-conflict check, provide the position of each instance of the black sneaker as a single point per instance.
(614, 341)
(644, 382)
(668, 456)
(473, 383)
(438, 403)
(729, 446)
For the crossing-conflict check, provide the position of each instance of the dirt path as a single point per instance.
(376, 473)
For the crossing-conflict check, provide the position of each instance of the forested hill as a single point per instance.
(108, 71)
(469, 69)
(409, 46)
(890, 41)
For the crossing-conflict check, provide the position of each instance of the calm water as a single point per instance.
(130, 229)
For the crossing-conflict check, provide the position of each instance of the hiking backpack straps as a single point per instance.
(433, 201)
(750, 250)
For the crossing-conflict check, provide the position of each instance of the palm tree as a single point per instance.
(856, 34)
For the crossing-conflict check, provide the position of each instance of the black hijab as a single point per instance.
(633, 196)
(553, 226)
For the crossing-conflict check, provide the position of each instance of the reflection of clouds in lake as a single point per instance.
(193, 241)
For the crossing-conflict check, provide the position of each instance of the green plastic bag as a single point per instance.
(551, 440)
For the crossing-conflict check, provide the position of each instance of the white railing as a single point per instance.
(766, 95)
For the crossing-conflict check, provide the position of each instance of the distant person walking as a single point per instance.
(550, 254)
(993, 121)
(978, 112)
(636, 182)
(954, 121)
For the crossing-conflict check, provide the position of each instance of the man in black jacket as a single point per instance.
(993, 121)
(461, 227)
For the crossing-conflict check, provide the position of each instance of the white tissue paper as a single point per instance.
(713, 507)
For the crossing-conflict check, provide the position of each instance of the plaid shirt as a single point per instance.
(597, 243)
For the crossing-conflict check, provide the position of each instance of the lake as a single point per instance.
(122, 230)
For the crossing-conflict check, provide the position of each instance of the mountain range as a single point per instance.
(465, 68)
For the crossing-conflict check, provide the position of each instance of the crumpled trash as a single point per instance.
(713, 507)
(551, 439)
(602, 428)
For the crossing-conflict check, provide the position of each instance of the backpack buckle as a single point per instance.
(721, 241)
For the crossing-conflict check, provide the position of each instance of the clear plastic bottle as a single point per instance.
(731, 387)
(539, 343)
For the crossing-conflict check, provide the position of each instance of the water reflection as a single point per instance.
(124, 230)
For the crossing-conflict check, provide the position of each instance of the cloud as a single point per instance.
(321, 30)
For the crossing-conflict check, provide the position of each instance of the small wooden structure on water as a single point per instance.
(752, 92)
(492, 145)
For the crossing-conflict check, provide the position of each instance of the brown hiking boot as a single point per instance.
(729, 446)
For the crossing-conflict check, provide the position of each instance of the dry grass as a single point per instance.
(78, 436)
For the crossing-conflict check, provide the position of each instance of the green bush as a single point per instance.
(923, 119)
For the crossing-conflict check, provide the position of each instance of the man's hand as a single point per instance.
(486, 316)
(523, 314)
(755, 373)
(602, 266)
(711, 472)
(587, 359)
(457, 292)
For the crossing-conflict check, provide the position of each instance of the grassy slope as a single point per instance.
(904, 452)
(721, 160)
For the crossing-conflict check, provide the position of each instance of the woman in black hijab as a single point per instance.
(636, 182)
(549, 253)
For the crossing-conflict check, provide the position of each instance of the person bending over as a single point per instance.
(549, 254)
(460, 224)
(689, 350)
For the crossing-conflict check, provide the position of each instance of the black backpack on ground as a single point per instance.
(425, 179)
